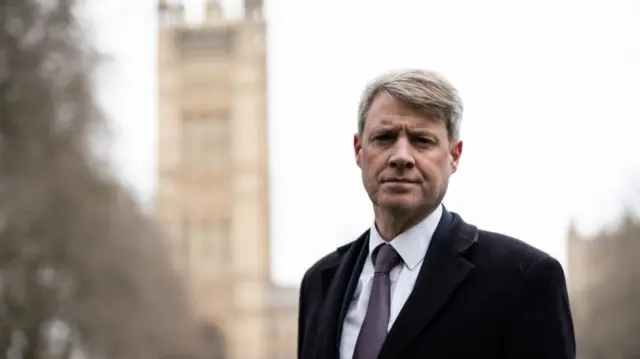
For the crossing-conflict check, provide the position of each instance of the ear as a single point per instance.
(455, 153)
(357, 147)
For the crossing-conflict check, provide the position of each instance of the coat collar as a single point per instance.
(443, 271)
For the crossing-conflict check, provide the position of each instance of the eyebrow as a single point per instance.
(414, 130)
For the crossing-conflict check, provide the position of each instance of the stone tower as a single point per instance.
(213, 179)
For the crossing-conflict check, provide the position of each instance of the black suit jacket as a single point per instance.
(478, 295)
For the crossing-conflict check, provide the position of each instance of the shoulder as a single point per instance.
(315, 278)
(330, 260)
(511, 255)
(333, 259)
(325, 262)
(509, 248)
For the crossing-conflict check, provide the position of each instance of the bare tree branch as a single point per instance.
(81, 266)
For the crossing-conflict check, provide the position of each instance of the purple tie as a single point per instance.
(376, 321)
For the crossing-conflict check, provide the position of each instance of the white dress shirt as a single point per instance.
(412, 246)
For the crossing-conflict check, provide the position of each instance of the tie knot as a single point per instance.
(385, 258)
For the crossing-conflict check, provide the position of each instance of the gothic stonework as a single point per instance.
(602, 274)
(213, 180)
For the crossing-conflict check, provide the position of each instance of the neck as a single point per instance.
(392, 223)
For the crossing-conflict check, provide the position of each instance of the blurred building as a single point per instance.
(602, 272)
(590, 265)
(213, 179)
(583, 276)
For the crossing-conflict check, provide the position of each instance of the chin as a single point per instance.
(398, 203)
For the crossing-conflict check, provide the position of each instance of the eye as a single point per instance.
(424, 141)
(384, 137)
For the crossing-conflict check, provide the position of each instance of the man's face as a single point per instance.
(406, 158)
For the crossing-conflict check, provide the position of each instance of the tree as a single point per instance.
(82, 268)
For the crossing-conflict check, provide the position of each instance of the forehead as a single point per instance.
(387, 111)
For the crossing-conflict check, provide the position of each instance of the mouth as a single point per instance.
(399, 180)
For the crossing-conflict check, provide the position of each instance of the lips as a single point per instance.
(398, 180)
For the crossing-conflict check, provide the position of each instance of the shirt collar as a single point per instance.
(412, 244)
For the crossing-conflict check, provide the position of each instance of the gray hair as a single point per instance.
(427, 91)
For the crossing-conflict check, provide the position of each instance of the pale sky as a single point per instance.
(551, 92)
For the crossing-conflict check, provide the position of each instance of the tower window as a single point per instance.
(207, 243)
(206, 42)
(216, 239)
(205, 139)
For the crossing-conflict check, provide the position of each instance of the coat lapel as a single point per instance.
(443, 270)
(337, 287)
(351, 288)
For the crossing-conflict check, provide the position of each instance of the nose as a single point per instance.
(402, 156)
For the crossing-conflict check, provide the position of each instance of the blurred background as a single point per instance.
(229, 135)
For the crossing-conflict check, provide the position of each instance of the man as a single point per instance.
(422, 283)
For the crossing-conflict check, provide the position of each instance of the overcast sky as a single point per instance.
(550, 87)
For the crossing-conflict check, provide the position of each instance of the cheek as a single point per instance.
(371, 167)
(372, 161)
(376, 166)
(435, 168)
